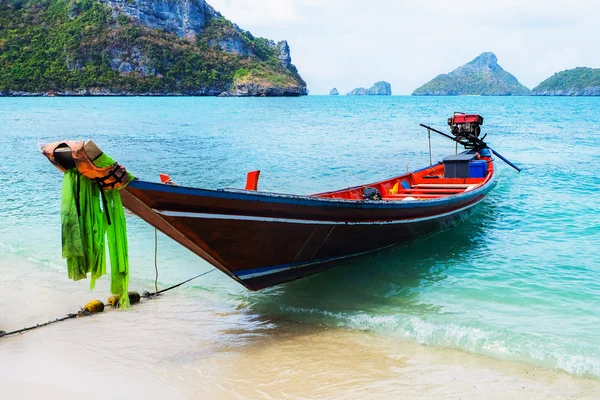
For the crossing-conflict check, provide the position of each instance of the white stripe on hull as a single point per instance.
(183, 214)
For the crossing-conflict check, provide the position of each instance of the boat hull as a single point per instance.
(263, 239)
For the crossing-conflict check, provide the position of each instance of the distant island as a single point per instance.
(378, 89)
(579, 81)
(136, 47)
(482, 76)
(334, 92)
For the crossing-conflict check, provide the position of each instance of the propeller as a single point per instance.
(475, 142)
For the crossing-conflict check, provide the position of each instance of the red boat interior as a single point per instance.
(425, 184)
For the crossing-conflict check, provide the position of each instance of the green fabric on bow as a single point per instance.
(90, 215)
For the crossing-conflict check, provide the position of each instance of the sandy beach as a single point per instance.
(184, 345)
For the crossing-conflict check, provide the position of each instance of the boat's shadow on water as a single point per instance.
(389, 283)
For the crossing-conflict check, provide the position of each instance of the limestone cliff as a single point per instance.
(184, 18)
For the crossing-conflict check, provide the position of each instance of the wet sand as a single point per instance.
(188, 344)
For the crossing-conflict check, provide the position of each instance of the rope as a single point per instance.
(83, 313)
(69, 316)
(148, 295)
(156, 291)
(155, 260)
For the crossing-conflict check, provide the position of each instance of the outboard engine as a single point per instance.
(467, 128)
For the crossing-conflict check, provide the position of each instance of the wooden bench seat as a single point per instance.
(443, 185)
(433, 190)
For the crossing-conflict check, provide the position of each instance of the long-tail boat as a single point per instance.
(263, 239)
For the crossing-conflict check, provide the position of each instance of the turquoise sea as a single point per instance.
(520, 280)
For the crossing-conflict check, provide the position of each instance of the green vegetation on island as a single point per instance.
(78, 47)
(579, 81)
(482, 76)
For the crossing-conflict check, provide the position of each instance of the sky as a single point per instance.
(354, 43)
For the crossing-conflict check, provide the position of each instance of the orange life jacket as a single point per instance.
(113, 177)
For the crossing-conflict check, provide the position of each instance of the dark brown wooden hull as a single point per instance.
(263, 239)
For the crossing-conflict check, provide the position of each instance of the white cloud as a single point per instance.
(252, 13)
(350, 43)
(276, 12)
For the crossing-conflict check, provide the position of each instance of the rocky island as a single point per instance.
(334, 92)
(579, 81)
(136, 47)
(378, 89)
(482, 76)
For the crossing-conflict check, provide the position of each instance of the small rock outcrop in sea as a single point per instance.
(381, 88)
(482, 76)
(138, 47)
(579, 81)
(334, 92)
